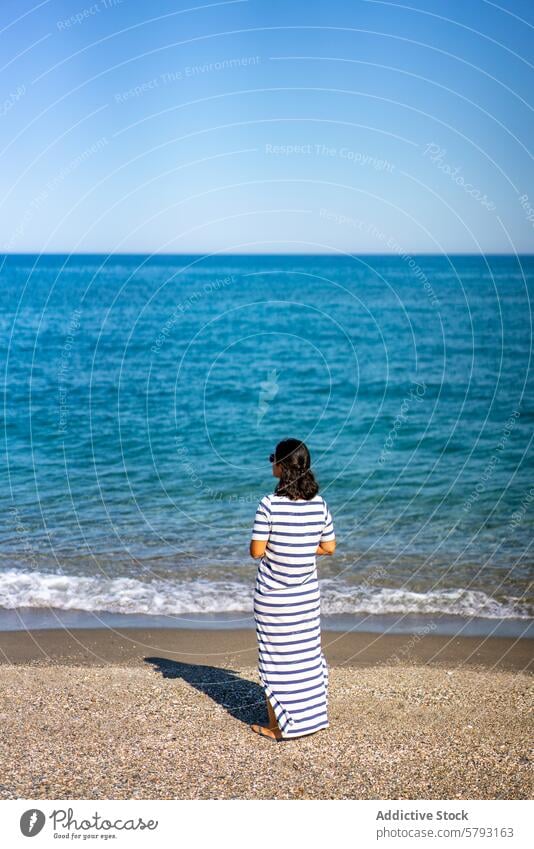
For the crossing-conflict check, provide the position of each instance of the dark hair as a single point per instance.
(297, 479)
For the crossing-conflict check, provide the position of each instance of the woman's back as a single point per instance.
(293, 530)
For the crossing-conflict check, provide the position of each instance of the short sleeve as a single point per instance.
(262, 520)
(328, 531)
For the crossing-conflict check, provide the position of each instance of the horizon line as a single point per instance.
(344, 255)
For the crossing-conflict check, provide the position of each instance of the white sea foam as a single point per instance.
(121, 595)
(164, 597)
(456, 601)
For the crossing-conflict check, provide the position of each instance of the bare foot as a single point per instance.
(273, 733)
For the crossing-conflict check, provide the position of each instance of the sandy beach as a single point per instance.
(164, 714)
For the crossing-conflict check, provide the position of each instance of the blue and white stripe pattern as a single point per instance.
(292, 666)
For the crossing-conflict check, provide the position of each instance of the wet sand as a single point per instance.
(129, 646)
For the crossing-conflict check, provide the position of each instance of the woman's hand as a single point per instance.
(257, 548)
(327, 547)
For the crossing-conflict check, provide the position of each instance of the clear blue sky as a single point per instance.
(261, 126)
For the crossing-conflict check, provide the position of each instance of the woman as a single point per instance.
(291, 526)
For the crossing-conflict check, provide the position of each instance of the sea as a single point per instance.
(142, 396)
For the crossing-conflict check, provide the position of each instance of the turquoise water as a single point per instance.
(142, 397)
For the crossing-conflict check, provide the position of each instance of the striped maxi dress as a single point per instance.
(292, 667)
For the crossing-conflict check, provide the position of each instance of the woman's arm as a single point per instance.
(326, 547)
(257, 548)
(261, 530)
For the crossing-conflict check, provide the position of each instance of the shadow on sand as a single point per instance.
(244, 700)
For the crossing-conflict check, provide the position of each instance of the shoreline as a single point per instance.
(127, 647)
(439, 624)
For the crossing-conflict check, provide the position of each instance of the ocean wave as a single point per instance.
(456, 601)
(174, 597)
(122, 595)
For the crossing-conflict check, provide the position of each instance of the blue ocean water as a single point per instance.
(143, 395)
